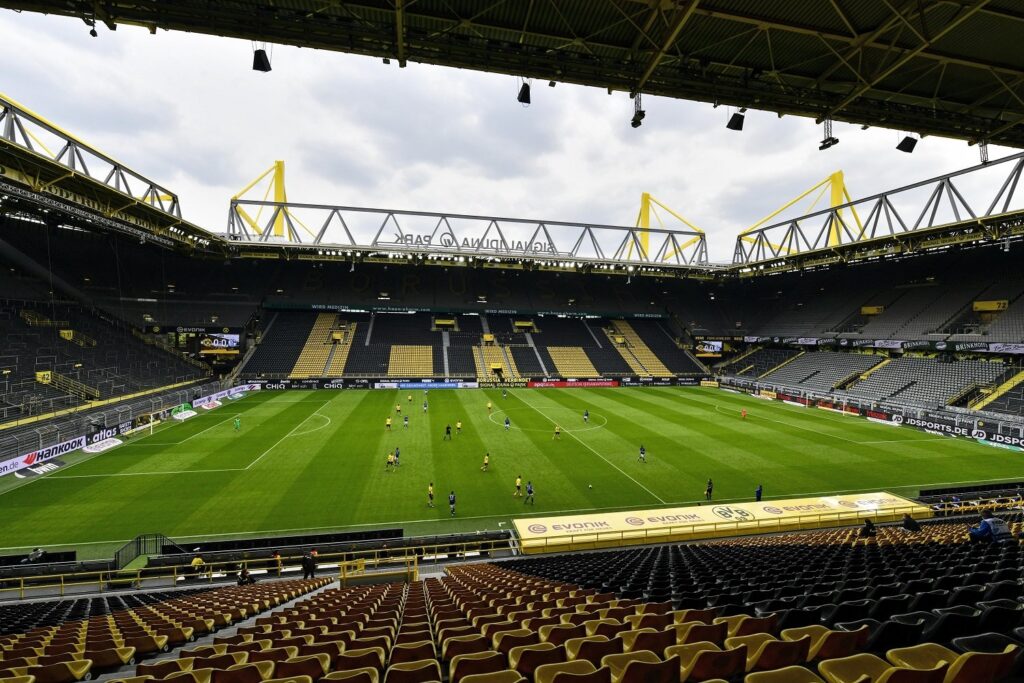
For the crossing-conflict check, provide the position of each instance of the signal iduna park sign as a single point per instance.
(614, 529)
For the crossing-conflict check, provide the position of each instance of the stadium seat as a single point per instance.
(547, 673)
(506, 676)
(426, 671)
(765, 652)
(363, 675)
(789, 674)
(969, 667)
(865, 668)
(476, 663)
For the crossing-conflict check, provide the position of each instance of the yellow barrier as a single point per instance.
(92, 405)
(669, 525)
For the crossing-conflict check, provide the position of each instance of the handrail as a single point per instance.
(388, 558)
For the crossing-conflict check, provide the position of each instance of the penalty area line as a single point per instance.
(591, 449)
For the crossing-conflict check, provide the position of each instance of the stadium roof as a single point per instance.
(936, 67)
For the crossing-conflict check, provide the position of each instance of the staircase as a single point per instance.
(634, 364)
(487, 355)
(68, 385)
(339, 355)
(1006, 386)
(651, 363)
(312, 360)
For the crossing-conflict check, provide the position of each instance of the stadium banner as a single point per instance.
(100, 433)
(42, 455)
(672, 525)
(516, 384)
(656, 381)
(288, 305)
(429, 384)
(217, 396)
(571, 384)
(996, 347)
(709, 383)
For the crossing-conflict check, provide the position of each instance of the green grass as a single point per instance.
(315, 461)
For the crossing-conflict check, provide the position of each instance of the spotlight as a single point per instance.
(907, 144)
(829, 140)
(524, 94)
(638, 112)
(260, 61)
(736, 121)
(92, 32)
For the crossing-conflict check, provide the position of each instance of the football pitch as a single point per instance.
(315, 461)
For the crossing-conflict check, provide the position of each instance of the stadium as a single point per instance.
(326, 441)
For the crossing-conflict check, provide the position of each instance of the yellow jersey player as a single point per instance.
(410, 398)
(519, 486)
(387, 424)
(558, 433)
(489, 406)
(487, 462)
(398, 408)
(430, 495)
(458, 427)
(390, 462)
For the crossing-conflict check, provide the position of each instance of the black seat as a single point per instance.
(952, 625)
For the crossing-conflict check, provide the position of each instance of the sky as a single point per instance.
(188, 112)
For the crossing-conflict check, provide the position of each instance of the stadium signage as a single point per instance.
(567, 384)
(682, 523)
(42, 455)
(496, 245)
(110, 432)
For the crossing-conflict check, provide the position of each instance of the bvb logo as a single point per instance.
(732, 514)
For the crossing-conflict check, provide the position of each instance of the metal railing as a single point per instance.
(377, 562)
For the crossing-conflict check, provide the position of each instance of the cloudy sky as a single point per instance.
(187, 111)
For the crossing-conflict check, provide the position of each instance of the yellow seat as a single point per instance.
(266, 669)
(867, 668)
(971, 667)
(765, 651)
(593, 624)
(364, 675)
(516, 653)
(195, 676)
(618, 663)
(421, 672)
(19, 679)
(790, 674)
(506, 676)
(629, 637)
(546, 672)
(572, 646)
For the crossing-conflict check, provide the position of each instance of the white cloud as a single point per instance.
(187, 111)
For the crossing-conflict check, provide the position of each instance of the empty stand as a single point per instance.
(572, 361)
(924, 381)
(758, 363)
(820, 370)
(411, 361)
(282, 342)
